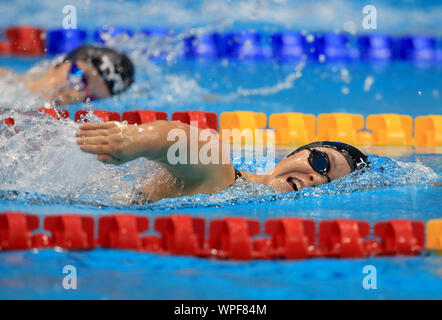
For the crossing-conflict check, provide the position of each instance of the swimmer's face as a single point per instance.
(295, 172)
(57, 87)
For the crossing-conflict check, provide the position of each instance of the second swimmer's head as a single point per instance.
(315, 164)
(89, 72)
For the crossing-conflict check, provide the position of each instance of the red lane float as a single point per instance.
(56, 113)
(25, 40)
(143, 116)
(292, 238)
(103, 114)
(181, 234)
(5, 47)
(231, 237)
(342, 238)
(403, 237)
(15, 230)
(205, 120)
(122, 231)
(71, 231)
(152, 243)
(263, 248)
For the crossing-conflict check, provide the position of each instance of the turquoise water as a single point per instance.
(50, 176)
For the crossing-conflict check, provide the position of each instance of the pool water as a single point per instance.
(54, 177)
(113, 274)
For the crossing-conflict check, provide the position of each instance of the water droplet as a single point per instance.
(310, 38)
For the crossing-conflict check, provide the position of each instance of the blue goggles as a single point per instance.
(78, 80)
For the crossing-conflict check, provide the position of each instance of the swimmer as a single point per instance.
(87, 72)
(311, 165)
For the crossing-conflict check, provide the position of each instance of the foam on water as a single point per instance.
(14, 93)
(42, 161)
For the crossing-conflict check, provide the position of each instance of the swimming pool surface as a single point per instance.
(410, 187)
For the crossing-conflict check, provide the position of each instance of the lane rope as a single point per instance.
(236, 238)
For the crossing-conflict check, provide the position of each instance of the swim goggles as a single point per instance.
(78, 80)
(319, 161)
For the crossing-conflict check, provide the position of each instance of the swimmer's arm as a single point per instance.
(123, 143)
(117, 143)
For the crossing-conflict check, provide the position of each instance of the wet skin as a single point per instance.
(54, 84)
(295, 172)
(117, 143)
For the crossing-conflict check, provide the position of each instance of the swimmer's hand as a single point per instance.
(112, 142)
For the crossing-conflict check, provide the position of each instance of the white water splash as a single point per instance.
(13, 93)
(39, 155)
(286, 84)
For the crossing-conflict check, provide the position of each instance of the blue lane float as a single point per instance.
(331, 46)
(417, 48)
(203, 46)
(376, 47)
(287, 45)
(245, 45)
(248, 45)
(63, 41)
(252, 45)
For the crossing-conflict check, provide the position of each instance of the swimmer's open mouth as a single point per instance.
(292, 183)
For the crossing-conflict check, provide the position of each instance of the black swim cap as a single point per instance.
(355, 158)
(114, 67)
